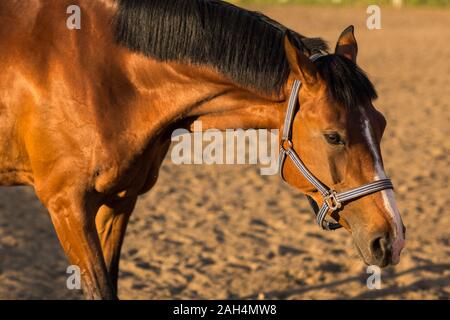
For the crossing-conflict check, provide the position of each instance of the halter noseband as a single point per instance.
(332, 200)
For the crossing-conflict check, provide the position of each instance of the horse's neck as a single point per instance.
(171, 92)
(177, 92)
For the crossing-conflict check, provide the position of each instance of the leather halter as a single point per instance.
(332, 200)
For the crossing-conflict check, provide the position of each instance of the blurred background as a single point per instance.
(223, 232)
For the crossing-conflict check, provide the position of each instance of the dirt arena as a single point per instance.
(224, 232)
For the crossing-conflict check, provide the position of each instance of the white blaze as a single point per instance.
(388, 195)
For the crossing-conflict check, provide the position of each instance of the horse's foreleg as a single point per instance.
(111, 224)
(74, 221)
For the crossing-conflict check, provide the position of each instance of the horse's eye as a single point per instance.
(333, 138)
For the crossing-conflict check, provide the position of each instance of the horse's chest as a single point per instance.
(135, 173)
(14, 117)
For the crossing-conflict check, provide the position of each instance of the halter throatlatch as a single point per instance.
(332, 200)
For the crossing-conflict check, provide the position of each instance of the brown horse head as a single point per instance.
(337, 134)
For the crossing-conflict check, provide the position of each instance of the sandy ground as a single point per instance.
(228, 232)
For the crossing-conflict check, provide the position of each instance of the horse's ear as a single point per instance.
(303, 69)
(346, 45)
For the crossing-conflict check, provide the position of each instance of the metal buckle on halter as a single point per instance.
(332, 201)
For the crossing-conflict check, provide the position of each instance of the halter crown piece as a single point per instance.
(332, 200)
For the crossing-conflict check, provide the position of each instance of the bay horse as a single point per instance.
(86, 114)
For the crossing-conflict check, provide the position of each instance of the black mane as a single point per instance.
(243, 45)
(246, 46)
(347, 83)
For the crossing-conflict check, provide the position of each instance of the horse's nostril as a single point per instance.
(379, 250)
(375, 248)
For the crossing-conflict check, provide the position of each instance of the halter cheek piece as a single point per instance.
(332, 200)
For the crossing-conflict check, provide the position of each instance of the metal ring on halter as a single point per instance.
(289, 142)
(332, 201)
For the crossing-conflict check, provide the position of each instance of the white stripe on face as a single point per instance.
(388, 195)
